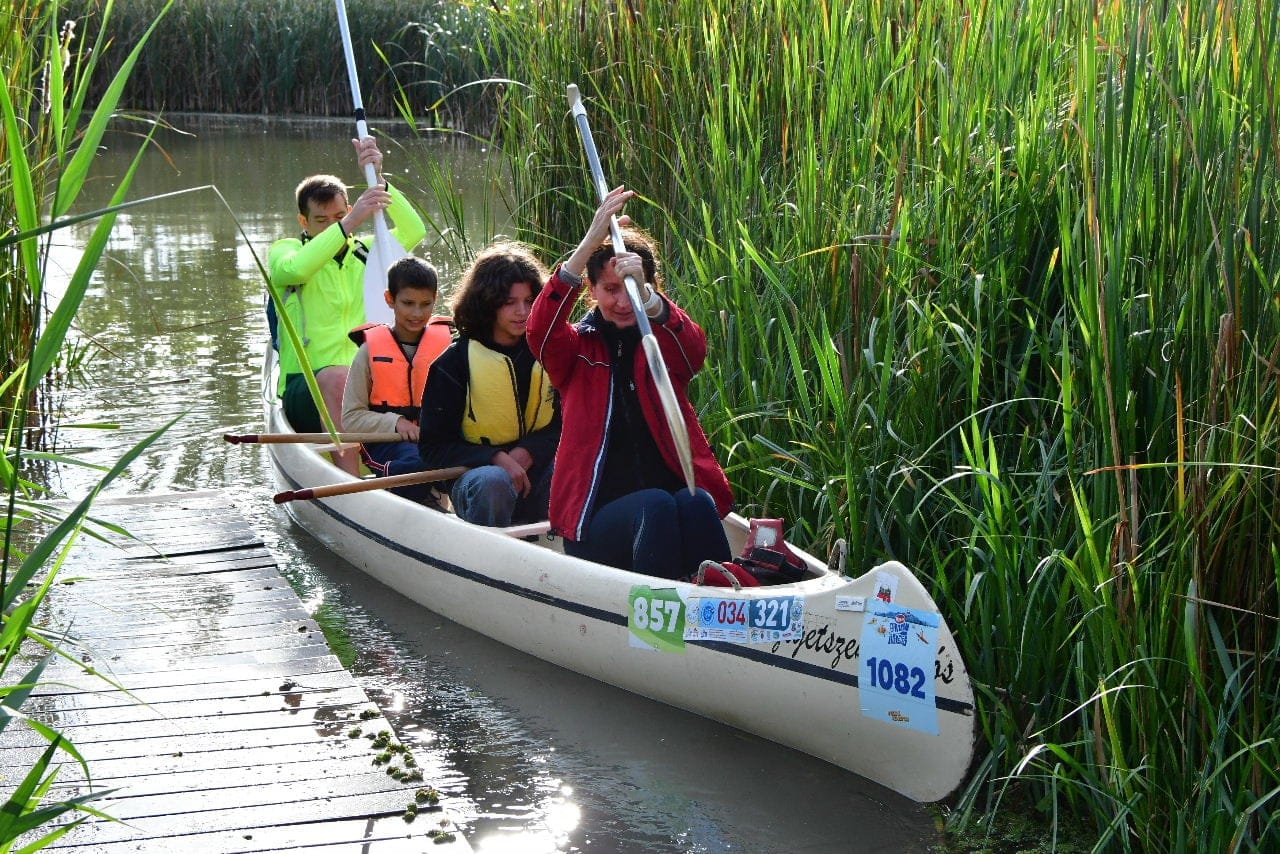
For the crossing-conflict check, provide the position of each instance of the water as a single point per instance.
(531, 757)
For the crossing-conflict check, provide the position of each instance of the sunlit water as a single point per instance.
(531, 757)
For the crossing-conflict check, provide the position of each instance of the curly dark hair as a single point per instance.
(636, 240)
(486, 283)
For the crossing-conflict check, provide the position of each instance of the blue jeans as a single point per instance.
(390, 458)
(655, 532)
(486, 496)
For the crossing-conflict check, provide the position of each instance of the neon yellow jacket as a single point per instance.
(324, 296)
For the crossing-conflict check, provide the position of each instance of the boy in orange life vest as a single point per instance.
(384, 386)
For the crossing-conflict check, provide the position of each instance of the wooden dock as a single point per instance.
(238, 730)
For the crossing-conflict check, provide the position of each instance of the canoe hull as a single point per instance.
(803, 692)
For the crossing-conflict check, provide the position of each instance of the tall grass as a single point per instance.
(991, 290)
(268, 57)
(48, 139)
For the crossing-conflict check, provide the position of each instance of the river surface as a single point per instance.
(531, 757)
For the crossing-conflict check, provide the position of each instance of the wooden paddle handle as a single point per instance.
(410, 479)
(308, 438)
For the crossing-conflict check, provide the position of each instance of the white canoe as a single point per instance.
(861, 672)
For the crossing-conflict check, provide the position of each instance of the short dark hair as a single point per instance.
(318, 188)
(636, 240)
(486, 283)
(411, 272)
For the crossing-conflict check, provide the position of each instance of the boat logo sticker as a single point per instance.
(656, 619)
(896, 680)
(766, 620)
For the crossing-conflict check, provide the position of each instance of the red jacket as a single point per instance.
(578, 362)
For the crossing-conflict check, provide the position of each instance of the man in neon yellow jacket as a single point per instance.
(319, 279)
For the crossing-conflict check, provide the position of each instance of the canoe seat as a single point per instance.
(532, 529)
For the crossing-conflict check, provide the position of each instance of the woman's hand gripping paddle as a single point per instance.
(386, 250)
(657, 365)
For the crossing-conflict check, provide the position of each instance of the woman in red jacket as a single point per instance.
(617, 495)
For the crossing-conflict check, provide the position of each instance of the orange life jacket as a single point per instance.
(397, 383)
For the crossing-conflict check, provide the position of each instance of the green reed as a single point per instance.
(267, 57)
(49, 137)
(990, 289)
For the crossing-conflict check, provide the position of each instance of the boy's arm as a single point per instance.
(356, 415)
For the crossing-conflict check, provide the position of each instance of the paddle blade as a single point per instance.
(386, 250)
(670, 407)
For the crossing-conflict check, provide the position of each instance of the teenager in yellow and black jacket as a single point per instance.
(488, 404)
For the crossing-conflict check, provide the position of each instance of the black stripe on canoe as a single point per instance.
(759, 655)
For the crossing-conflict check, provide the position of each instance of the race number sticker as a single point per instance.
(656, 619)
(767, 620)
(896, 679)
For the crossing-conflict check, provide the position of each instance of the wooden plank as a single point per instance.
(334, 754)
(192, 637)
(70, 714)
(178, 820)
(276, 660)
(296, 668)
(234, 602)
(73, 698)
(200, 563)
(96, 617)
(265, 614)
(373, 835)
(137, 781)
(236, 730)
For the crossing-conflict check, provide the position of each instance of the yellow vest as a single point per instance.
(492, 415)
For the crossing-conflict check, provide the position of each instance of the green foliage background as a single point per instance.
(268, 57)
(992, 291)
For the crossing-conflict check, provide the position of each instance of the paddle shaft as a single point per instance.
(657, 364)
(385, 250)
(362, 128)
(309, 438)
(411, 479)
(602, 189)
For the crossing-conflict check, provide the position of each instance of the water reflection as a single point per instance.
(532, 757)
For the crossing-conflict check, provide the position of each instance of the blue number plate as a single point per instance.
(896, 679)
(767, 620)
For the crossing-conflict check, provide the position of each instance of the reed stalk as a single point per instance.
(990, 290)
(48, 140)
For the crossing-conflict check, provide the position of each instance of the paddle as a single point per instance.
(386, 250)
(369, 485)
(657, 365)
(308, 438)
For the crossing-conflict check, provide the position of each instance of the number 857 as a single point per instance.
(656, 615)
